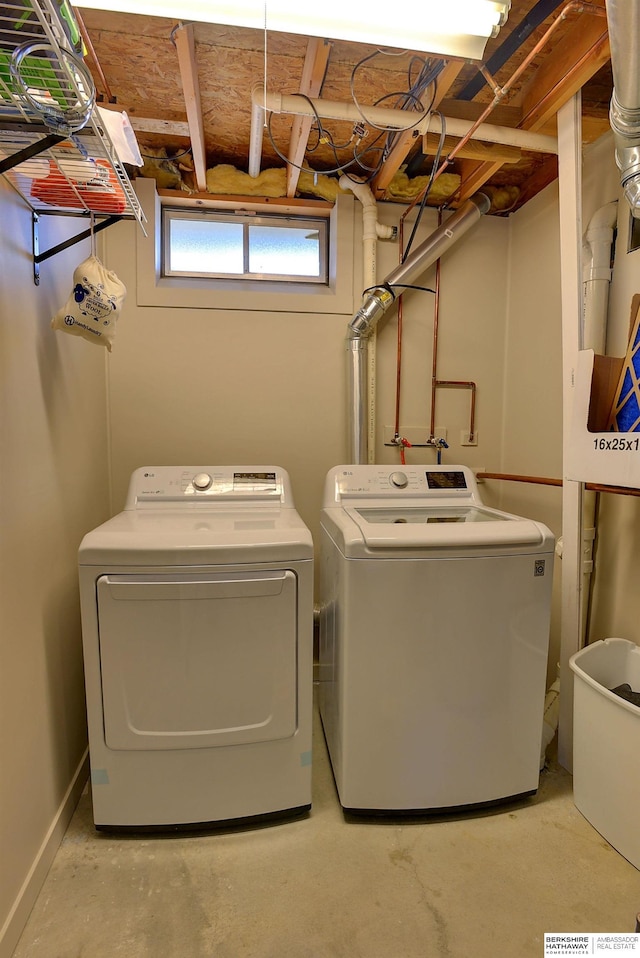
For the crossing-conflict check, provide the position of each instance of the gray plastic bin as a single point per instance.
(606, 742)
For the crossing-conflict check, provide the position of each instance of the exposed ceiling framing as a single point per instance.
(191, 87)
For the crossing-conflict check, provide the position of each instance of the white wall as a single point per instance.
(532, 398)
(206, 385)
(471, 343)
(53, 488)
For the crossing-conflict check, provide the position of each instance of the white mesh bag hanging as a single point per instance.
(93, 308)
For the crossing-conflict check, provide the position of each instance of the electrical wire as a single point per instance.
(412, 93)
(325, 138)
(423, 202)
(391, 286)
(370, 158)
(424, 289)
(341, 168)
(427, 77)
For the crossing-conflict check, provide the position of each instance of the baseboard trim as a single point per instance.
(26, 898)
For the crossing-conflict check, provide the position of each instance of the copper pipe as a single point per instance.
(551, 92)
(541, 481)
(398, 369)
(501, 92)
(435, 382)
(434, 360)
(615, 490)
(92, 53)
(399, 347)
(489, 79)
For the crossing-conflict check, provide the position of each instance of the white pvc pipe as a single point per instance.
(596, 276)
(490, 133)
(255, 139)
(369, 225)
(401, 119)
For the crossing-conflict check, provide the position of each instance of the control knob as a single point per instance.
(202, 481)
(399, 480)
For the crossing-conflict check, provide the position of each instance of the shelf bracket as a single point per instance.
(35, 242)
(39, 257)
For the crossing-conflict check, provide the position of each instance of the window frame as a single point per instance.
(225, 296)
(247, 220)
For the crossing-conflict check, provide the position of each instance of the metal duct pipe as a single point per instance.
(623, 17)
(378, 300)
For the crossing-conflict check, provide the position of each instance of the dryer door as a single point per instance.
(194, 661)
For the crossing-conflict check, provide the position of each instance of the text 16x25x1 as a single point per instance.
(617, 444)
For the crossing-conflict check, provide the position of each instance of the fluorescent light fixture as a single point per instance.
(458, 28)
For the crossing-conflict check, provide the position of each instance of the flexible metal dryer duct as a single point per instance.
(378, 300)
(623, 17)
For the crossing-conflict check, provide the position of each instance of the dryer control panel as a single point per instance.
(153, 486)
(415, 482)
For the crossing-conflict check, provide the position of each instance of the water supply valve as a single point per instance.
(403, 444)
(439, 445)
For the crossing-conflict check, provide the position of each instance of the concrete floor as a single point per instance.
(485, 886)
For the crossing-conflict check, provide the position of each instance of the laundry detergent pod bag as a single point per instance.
(94, 305)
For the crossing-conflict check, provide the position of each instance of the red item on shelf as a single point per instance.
(102, 194)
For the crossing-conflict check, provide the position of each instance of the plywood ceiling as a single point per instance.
(188, 91)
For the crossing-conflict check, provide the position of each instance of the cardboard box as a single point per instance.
(596, 452)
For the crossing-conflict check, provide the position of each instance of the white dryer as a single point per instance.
(197, 620)
(434, 628)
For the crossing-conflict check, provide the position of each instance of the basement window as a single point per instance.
(244, 246)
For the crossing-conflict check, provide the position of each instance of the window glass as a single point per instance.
(295, 251)
(203, 246)
(243, 246)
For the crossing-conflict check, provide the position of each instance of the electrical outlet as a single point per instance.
(466, 440)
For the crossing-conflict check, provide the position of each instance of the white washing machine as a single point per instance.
(434, 628)
(197, 619)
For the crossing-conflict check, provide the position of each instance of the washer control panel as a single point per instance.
(151, 485)
(421, 482)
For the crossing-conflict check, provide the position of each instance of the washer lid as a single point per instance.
(199, 536)
(421, 515)
(368, 531)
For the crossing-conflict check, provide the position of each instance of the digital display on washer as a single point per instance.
(254, 481)
(446, 480)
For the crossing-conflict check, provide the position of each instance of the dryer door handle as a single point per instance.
(140, 588)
